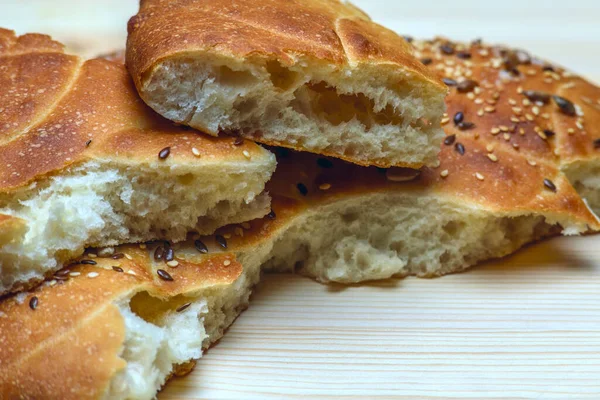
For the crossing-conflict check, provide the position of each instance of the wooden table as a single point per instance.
(526, 327)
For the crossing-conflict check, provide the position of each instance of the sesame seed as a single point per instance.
(92, 255)
(173, 263)
(246, 154)
(195, 152)
(480, 113)
(238, 141)
(550, 185)
(532, 163)
(492, 157)
(495, 131)
(466, 86)
(458, 117)
(164, 153)
(325, 186)
(445, 120)
(504, 128)
(515, 120)
(444, 173)
(143, 246)
(221, 241)
(489, 109)
(270, 215)
(579, 125)
(169, 254)
(565, 105)
(127, 256)
(183, 307)
(479, 176)
(117, 256)
(33, 302)
(512, 102)
(200, 246)
(571, 131)
(449, 82)
(535, 110)
(88, 262)
(470, 95)
(517, 110)
(164, 275)
(226, 263)
(53, 282)
(117, 269)
(74, 273)
(506, 137)
(92, 274)
(464, 126)
(426, 61)
(459, 148)
(449, 140)
(159, 253)
(489, 147)
(542, 134)
(479, 101)
(87, 144)
(131, 272)
(302, 189)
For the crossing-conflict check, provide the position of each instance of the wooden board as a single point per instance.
(525, 327)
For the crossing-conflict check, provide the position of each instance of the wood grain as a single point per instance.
(525, 327)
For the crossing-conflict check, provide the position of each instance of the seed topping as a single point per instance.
(164, 153)
(164, 275)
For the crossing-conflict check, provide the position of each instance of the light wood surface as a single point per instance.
(525, 327)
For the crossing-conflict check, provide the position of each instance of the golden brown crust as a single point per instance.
(326, 32)
(69, 112)
(514, 104)
(42, 350)
(320, 29)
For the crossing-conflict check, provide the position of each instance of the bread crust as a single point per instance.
(69, 346)
(71, 111)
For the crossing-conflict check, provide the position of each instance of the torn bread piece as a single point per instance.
(312, 75)
(117, 329)
(516, 101)
(86, 163)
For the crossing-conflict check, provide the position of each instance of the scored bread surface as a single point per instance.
(307, 66)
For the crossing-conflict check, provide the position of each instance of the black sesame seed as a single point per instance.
(550, 185)
(183, 307)
(117, 256)
(447, 48)
(426, 61)
(409, 39)
(449, 82)
(62, 272)
(463, 55)
(597, 144)
(548, 133)
(169, 254)
(88, 262)
(159, 253)
(465, 126)
(221, 241)
(271, 215)
(200, 246)
(302, 189)
(238, 141)
(61, 277)
(534, 95)
(565, 105)
(449, 140)
(459, 148)
(467, 86)
(458, 118)
(117, 269)
(87, 144)
(324, 163)
(33, 302)
(164, 275)
(549, 68)
(164, 153)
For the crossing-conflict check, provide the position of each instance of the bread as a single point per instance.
(116, 330)
(312, 75)
(331, 220)
(532, 94)
(81, 166)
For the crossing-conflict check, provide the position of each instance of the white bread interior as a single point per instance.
(97, 204)
(425, 236)
(159, 339)
(360, 114)
(585, 178)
